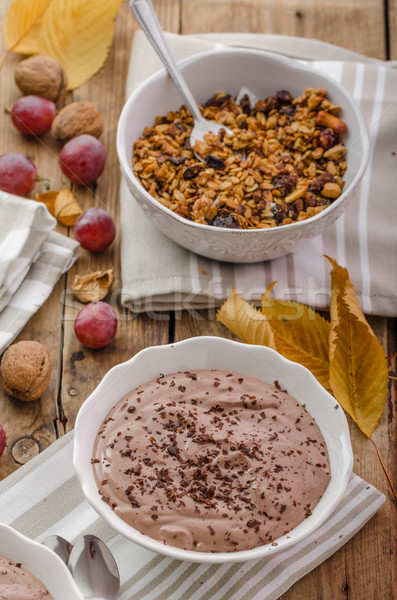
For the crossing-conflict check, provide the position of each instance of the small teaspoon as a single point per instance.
(59, 545)
(146, 16)
(94, 569)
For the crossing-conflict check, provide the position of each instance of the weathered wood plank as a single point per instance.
(168, 14)
(361, 569)
(392, 458)
(198, 323)
(107, 90)
(341, 23)
(392, 18)
(53, 325)
(30, 426)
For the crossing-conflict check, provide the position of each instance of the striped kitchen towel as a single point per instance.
(158, 274)
(43, 497)
(32, 258)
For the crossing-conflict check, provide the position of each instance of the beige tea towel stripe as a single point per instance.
(43, 497)
(294, 47)
(32, 258)
(159, 275)
(336, 241)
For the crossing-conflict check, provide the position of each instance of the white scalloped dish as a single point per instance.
(229, 70)
(215, 353)
(40, 561)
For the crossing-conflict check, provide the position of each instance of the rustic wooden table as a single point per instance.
(366, 567)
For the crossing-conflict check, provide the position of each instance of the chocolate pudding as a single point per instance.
(17, 583)
(211, 461)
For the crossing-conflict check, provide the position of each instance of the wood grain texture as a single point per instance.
(392, 29)
(366, 567)
(392, 457)
(30, 426)
(34, 420)
(362, 569)
(80, 377)
(341, 23)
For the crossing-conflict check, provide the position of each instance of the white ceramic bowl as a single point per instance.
(215, 353)
(229, 70)
(40, 561)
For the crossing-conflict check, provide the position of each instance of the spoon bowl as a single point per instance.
(59, 545)
(94, 569)
(146, 16)
(41, 561)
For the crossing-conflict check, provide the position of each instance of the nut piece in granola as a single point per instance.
(284, 163)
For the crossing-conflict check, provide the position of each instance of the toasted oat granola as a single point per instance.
(284, 162)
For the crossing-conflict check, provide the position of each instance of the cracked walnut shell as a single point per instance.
(92, 287)
(25, 370)
(42, 75)
(75, 119)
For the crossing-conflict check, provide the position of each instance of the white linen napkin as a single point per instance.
(43, 497)
(32, 258)
(157, 274)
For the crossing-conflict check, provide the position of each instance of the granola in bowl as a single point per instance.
(235, 70)
(284, 163)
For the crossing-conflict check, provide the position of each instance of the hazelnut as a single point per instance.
(75, 119)
(25, 370)
(42, 76)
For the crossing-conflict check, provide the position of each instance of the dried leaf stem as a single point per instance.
(384, 469)
(4, 58)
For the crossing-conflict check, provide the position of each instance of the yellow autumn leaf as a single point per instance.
(300, 334)
(62, 205)
(293, 329)
(79, 34)
(22, 25)
(243, 319)
(279, 309)
(48, 198)
(358, 366)
(67, 209)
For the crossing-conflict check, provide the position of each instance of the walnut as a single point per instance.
(25, 370)
(76, 119)
(42, 76)
(92, 287)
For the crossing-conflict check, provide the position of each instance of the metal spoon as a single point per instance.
(147, 19)
(59, 545)
(94, 569)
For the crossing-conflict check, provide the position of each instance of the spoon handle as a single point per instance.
(145, 15)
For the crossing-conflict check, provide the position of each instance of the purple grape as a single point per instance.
(96, 325)
(17, 174)
(33, 115)
(95, 229)
(3, 440)
(82, 159)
